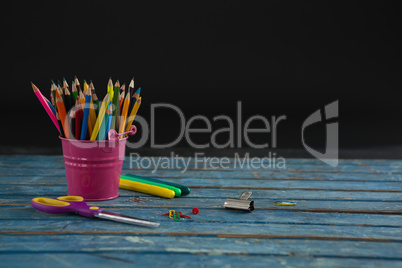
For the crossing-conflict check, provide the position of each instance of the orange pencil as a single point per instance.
(133, 113)
(61, 109)
(123, 116)
(121, 99)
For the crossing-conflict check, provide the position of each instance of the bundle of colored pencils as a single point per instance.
(80, 115)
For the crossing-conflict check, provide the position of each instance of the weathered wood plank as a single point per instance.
(200, 245)
(217, 202)
(277, 184)
(54, 224)
(198, 192)
(219, 216)
(29, 175)
(180, 260)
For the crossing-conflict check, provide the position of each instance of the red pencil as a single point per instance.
(78, 118)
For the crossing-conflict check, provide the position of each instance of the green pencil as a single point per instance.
(74, 91)
(116, 112)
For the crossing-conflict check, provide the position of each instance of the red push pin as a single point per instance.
(195, 210)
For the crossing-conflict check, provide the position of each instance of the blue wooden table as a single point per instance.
(350, 215)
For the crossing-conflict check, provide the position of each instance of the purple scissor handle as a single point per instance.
(65, 204)
(77, 204)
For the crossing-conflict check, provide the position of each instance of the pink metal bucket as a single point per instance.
(93, 168)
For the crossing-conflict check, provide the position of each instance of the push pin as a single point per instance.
(241, 203)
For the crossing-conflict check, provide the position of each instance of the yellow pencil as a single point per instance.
(82, 100)
(86, 86)
(100, 117)
(133, 113)
(123, 116)
(110, 88)
(146, 188)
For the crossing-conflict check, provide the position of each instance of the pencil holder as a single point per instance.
(93, 168)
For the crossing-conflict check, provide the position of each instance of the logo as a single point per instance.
(331, 148)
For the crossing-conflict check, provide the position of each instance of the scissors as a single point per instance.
(77, 204)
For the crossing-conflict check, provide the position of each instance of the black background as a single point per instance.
(277, 57)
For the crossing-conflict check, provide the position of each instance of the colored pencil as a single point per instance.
(50, 105)
(131, 87)
(68, 99)
(92, 113)
(61, 109)
(121, 99)
(133, 114)
(65, 84)
(45, 106)
(77, 84)
(134, 99)
(82, 99)
(86, 86)
(60, 125)
(72, 122)
(61, 93)
(85, 119)
(109, 121)
(115, 103)
(74, 91)
(123, 116)
(104, 127)
(100, 118)
(123, 89)
(78, 119)
(51, 96)
(110, 87)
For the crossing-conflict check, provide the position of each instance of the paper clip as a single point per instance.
(177, 216)
(171, 214)
(285, 203)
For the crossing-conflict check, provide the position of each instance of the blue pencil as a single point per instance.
(50, 105)
(102, 129)
(109, 121)
(86, 115)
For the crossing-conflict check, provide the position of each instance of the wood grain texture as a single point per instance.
(350, 215)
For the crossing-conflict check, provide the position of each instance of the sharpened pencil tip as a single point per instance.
(138, 91)
(34, 87)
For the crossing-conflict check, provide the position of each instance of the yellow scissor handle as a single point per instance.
(71, 198)
(50, 202)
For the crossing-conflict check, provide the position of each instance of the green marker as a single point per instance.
(177, 191)
(184, 190)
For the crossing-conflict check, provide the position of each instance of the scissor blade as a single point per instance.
(126, 219)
